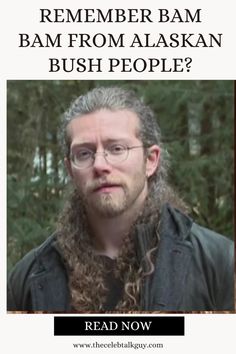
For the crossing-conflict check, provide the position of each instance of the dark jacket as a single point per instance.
(194, 271)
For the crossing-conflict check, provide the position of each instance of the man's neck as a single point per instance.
(108, 233)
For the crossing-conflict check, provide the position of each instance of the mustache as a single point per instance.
(93, 185)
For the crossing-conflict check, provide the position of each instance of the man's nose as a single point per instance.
(100, 163)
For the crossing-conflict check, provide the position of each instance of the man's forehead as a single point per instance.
(105, 122)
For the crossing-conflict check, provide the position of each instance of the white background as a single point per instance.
(34, 333)
(207, 63)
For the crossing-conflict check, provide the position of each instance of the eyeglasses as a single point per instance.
(114, 154)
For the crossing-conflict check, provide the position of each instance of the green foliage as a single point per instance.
(196, 120)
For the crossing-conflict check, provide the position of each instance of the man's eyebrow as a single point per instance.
(105, 141)
(79, 143)
(115, 140)
(82, 144)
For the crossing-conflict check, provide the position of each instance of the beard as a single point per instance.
(108, 204)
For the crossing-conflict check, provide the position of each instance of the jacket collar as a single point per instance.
(49, 280)
(164, 289)
(174, 225)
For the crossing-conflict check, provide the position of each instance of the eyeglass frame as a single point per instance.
(105, 153)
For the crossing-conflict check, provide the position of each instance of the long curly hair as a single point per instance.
(87, 270)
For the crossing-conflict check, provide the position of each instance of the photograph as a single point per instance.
(120, 196)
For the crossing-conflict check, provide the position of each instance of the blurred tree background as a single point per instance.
(196, 119)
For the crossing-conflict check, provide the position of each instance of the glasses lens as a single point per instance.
(82, 158)
(116, 153)
(113, 154)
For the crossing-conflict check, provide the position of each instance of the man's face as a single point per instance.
(109, 189)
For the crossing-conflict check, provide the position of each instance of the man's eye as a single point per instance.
(117, 149)
(82, 155)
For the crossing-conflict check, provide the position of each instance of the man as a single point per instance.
(124, 241)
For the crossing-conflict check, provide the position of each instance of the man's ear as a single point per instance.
(152, 161)
(68, 166)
